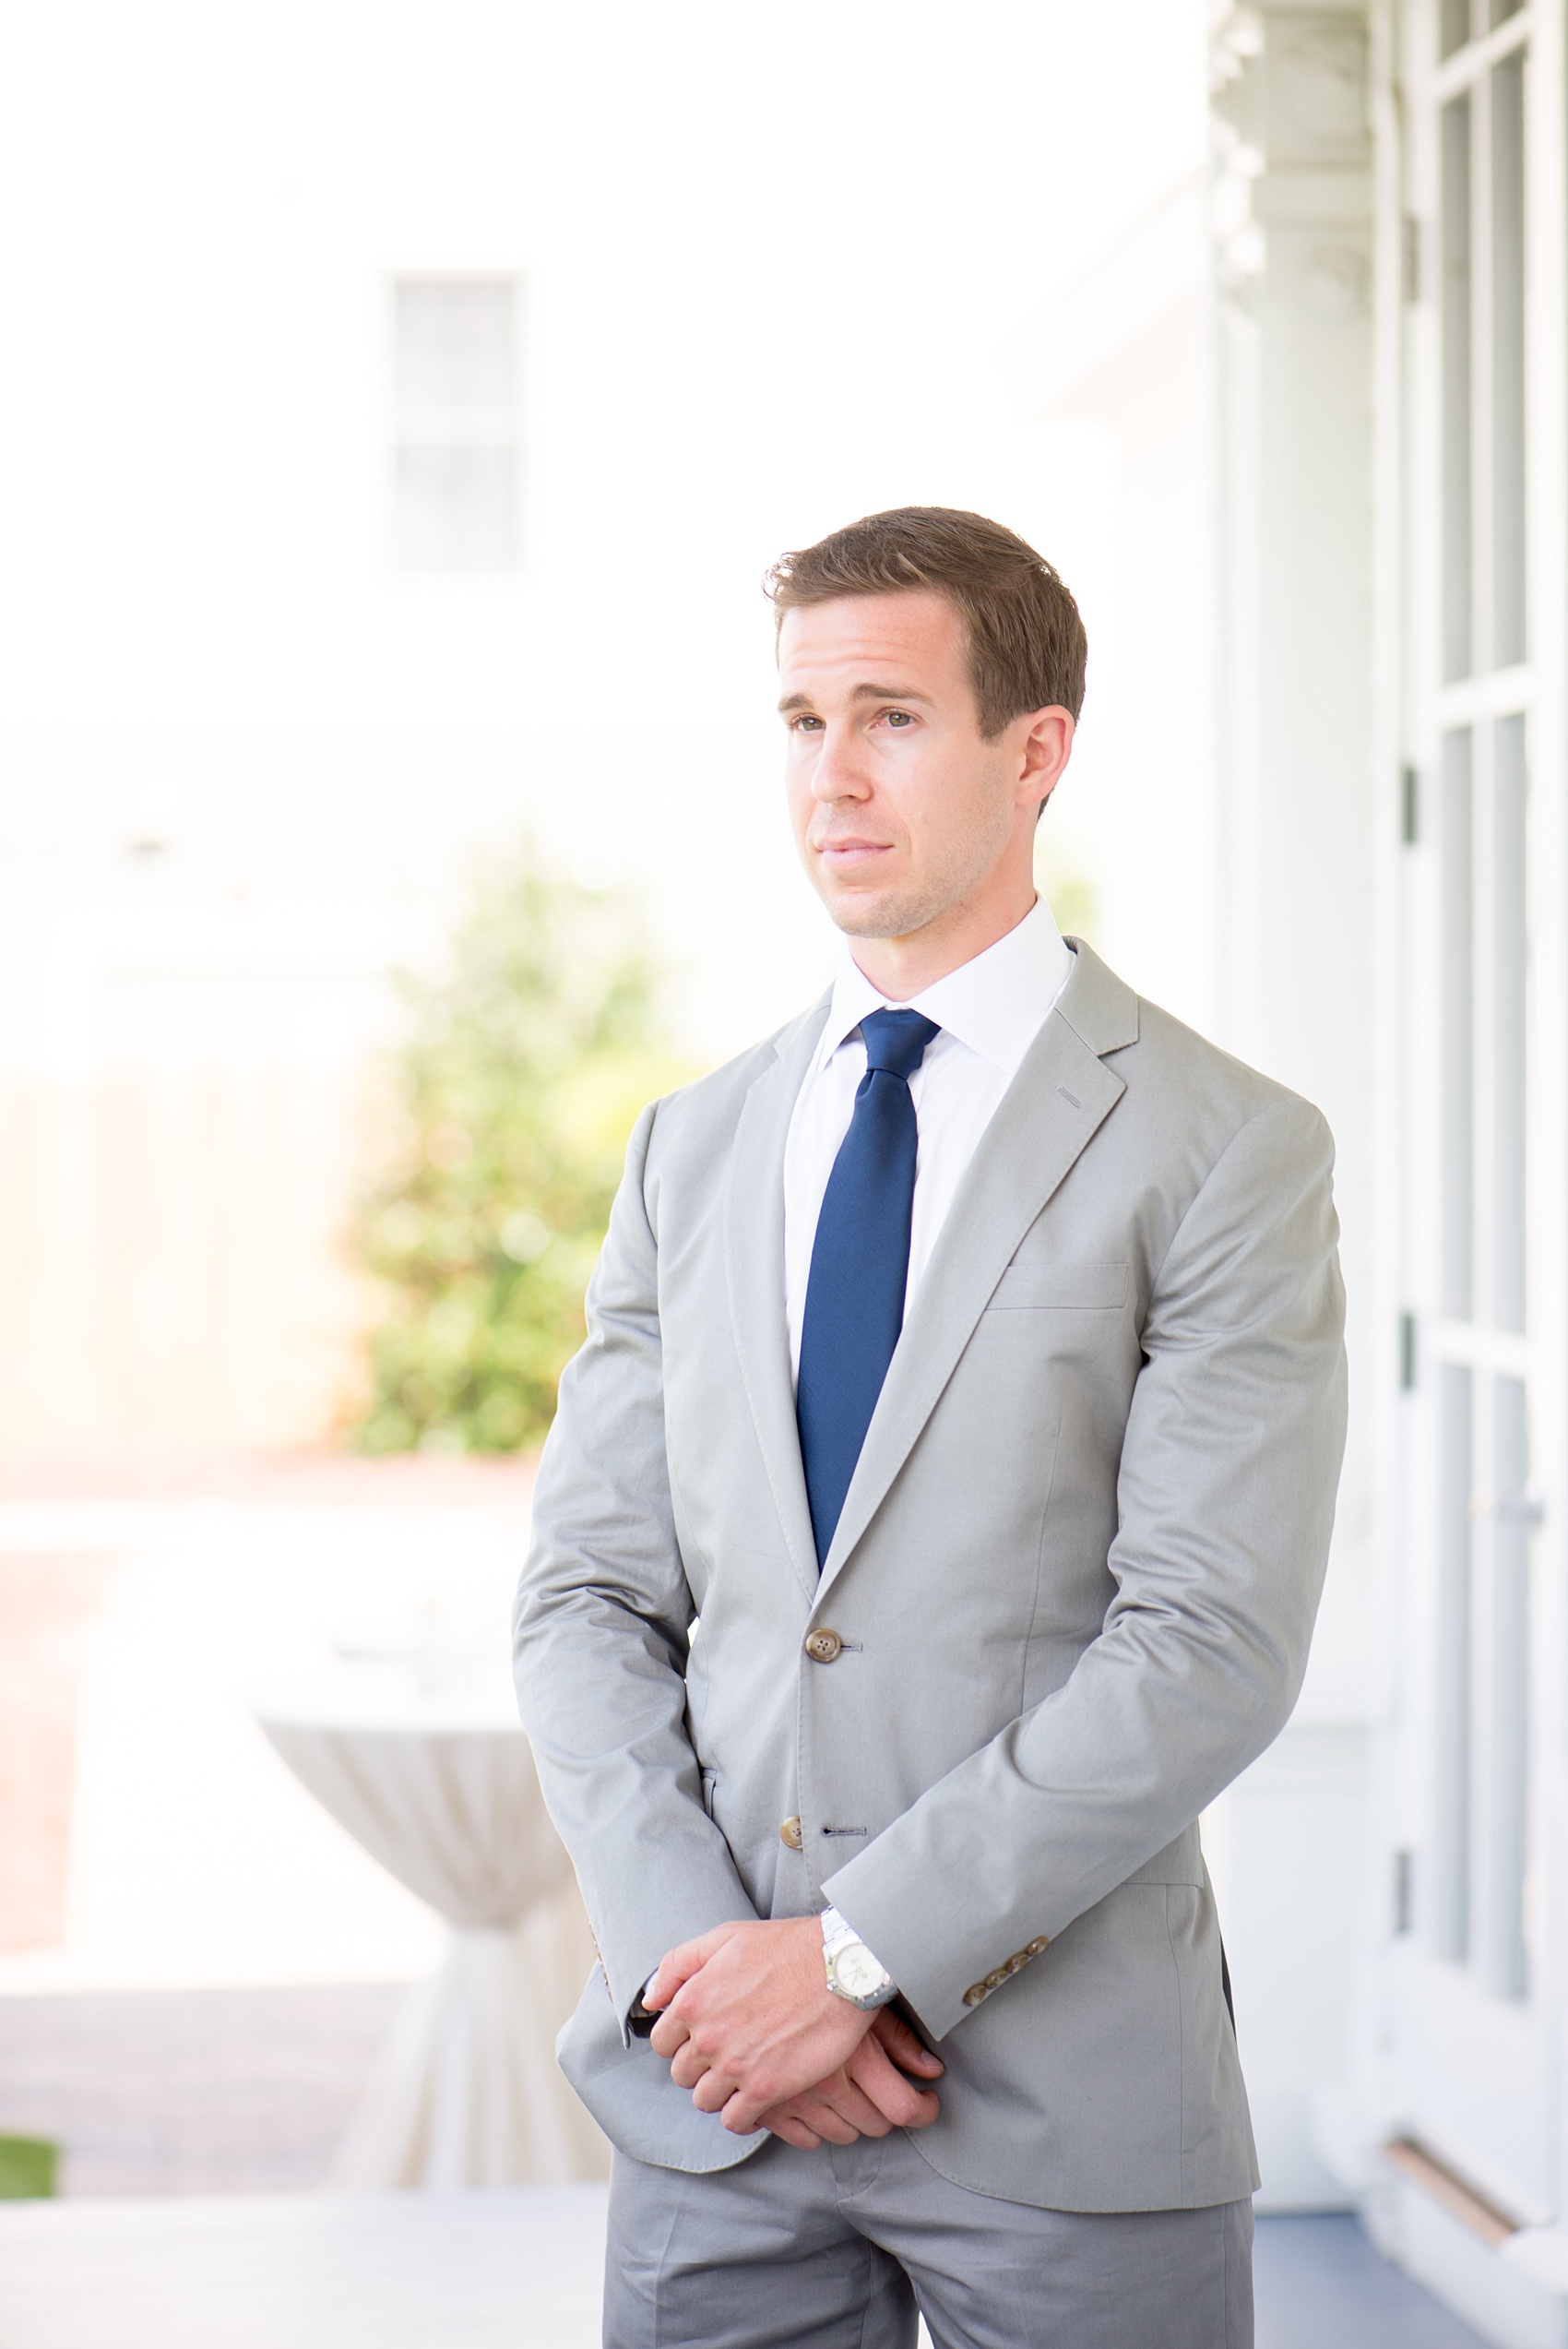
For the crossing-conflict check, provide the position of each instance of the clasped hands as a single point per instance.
(750, 2026)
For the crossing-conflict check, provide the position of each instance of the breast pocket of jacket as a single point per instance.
(1039, 1285)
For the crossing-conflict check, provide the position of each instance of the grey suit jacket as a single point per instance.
(1072, 1591)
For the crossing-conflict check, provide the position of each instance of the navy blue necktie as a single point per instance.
(859, 1267)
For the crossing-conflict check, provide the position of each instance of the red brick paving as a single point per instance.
(191, 2092)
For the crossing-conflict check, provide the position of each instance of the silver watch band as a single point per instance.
(839, 1936)
(836, 1930)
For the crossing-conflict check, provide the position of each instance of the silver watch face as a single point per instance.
(857, 1971)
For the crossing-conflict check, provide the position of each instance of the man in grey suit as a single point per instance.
(933, 1523)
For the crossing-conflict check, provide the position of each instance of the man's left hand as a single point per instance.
(748, 2021)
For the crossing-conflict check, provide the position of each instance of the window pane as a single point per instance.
(454, 476)
(1455, 28)
(1456, 388)
(1508, 360)
(456, 509)
(1508, 1039)
(1449, 1920)
(1458, 953)
(455, 343)
(1507, 1699)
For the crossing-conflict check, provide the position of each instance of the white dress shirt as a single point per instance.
(990, 1011)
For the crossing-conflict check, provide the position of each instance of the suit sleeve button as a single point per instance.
(1042, 1941)
(974, 1994)
(789, 1833)
(996, 1977)
(824, 1647)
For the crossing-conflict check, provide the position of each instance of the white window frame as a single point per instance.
(1470, 2032)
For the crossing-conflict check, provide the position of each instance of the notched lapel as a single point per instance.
(753, 1262)
(1060, 1096)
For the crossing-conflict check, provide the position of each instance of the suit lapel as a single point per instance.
(1060, 1096)
(753, 1258)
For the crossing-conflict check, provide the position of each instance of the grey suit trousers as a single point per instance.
(838, 2249)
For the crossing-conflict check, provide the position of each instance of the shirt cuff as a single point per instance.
(640, 2019)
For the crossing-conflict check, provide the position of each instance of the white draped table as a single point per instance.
(466, 2092)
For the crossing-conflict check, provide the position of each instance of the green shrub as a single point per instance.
(523, 1073)
(27, 2169)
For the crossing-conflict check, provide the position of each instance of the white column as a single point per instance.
(1294, 466)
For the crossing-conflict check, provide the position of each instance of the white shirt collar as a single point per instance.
(996, 1004)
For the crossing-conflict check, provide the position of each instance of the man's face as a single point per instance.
(901, 810)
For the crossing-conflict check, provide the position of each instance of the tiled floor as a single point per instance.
(1321, 2285)
(477, 2271)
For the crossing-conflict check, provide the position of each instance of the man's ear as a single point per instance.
(1047, 747)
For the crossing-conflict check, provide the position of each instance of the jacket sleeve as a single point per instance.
(601, 1629)
(1226, 1494)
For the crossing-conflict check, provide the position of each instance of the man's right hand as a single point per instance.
(868, 2095)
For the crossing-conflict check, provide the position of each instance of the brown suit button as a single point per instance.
(824, 1647)
(974, 1994)
(1042, 1941)
(790, 1833)
(996, 1977)
(1018, 1960)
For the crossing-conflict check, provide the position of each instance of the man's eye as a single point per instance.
(899, 718)
(804, 724)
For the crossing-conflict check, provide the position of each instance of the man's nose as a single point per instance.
(838, 773)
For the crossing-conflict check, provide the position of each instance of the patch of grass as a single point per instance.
(29, 2166)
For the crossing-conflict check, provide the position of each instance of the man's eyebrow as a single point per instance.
(793, 701)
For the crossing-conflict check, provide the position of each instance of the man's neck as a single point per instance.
(901, 969)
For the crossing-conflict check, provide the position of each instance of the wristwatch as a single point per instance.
(853, 1972)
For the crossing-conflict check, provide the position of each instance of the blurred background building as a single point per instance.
(401, 420)
(402, 411)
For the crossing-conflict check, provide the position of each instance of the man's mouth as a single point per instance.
(846, 855)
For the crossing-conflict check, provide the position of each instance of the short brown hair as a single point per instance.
(1027, 643)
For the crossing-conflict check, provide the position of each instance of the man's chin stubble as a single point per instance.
(883, 917)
